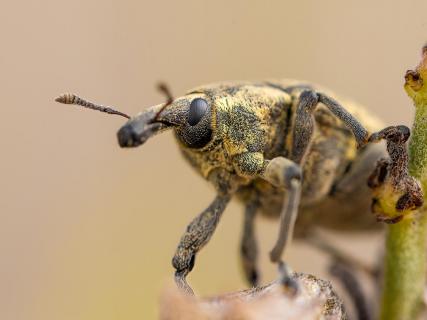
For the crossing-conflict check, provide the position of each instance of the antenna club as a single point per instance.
(66, 98)
(69, 98)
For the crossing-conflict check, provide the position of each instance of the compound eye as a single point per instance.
(198, 108)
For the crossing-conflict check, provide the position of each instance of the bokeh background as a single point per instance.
(87, 230)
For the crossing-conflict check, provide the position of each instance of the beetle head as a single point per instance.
(190, 116)
(216, 125)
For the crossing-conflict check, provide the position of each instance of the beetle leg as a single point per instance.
(304, 125)
(345, 268)
(392, 176)
(286, 174)
(304, 122)
(248, 247)
(197, 234)
(348, 278)
(359, 132)
(321, 243)
(361, 168)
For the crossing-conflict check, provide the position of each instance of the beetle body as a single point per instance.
(281, 147)
(258, 117)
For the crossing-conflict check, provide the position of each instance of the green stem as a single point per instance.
(405, 265)
(405, 262)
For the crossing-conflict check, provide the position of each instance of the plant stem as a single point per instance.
(404, 274)
(405, 262)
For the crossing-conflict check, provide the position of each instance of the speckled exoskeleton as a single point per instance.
(280, 147)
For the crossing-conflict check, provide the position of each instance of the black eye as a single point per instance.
(198, 108)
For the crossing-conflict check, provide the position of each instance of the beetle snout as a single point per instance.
(128, 137)
(138, 130)
(150, 122)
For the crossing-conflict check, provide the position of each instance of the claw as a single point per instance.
(290, 285)
(182, 283)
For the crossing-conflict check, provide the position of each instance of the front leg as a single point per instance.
(198, 233)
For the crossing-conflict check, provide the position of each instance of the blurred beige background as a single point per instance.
(87, 230)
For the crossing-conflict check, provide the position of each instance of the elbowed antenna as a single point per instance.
(70, 98)
(163, 88)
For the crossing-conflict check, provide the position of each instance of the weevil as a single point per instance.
(280, 147)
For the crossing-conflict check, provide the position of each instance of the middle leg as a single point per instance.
(248, 247)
